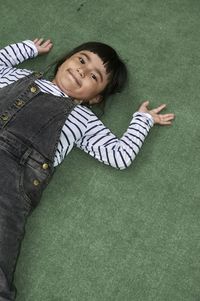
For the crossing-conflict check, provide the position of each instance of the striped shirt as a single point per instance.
(81, 128)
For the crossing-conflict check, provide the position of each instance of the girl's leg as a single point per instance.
(13, 213)
(11, 235)
(6, 293)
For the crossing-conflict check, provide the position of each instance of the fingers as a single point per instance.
(145, 103)
(47, 43)
(156, 110)
(166, 119)
(143, 107)
(38, 41)
(162, 119)
(42, 43)
(166, 123)
(160, 108)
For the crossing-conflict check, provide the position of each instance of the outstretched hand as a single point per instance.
(42, 45)
(162, 119)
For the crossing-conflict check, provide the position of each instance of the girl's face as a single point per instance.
(82, 76)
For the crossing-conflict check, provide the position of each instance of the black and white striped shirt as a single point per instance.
(82, 128)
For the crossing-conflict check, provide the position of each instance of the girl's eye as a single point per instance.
(81, 60)
(94, 77)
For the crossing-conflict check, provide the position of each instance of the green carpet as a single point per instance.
(105, 235)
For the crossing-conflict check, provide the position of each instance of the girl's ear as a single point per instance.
(95, 100)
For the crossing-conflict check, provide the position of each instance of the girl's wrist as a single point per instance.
(148, 116)
(32, 45)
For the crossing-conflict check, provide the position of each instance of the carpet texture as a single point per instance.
(105, 235)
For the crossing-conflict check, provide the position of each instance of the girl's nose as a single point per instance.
(81, 72)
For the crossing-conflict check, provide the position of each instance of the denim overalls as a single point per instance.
(30, 127)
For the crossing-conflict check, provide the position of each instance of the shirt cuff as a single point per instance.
(147, 116)
(32, 45)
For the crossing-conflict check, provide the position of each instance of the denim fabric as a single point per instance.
(30, 125)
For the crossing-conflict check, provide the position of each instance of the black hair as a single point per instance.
(114, 65)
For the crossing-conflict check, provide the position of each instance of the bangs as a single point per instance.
(107, 54)
(114, 66)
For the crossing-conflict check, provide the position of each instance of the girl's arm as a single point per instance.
(100, 143)
(15, 54)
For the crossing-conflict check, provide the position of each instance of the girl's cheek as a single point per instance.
(87, 83)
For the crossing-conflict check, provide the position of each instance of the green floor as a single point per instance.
(105, 235)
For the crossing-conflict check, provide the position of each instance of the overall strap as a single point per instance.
(35, 117)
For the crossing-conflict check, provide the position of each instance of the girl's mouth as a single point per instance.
(74, 77)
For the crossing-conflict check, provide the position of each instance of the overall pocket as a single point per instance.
(34, 178)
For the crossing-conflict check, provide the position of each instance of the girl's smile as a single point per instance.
(83, 76)
(74, 77)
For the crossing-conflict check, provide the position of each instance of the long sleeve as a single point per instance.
(100, 143)
(12, 55)
(15, 54)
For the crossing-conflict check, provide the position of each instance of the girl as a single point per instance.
(40, 121)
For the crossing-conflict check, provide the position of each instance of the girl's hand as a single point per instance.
(162, 119)
(43, 46)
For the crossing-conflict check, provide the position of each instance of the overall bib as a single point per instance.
(30, 127)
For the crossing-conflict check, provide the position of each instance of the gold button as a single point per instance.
(4, 117)
(33, 89)
(19, 103)
(36, 182)
(45, 166)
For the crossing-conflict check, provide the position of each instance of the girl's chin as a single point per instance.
(69, 91)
